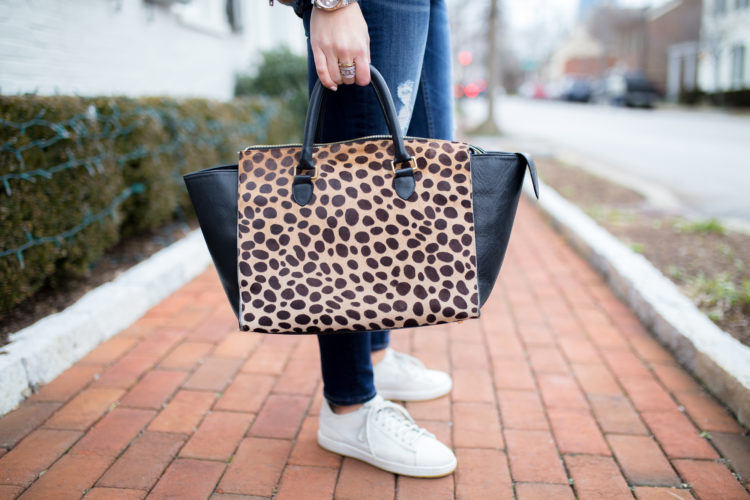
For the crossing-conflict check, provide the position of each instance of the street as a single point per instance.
(700, 158)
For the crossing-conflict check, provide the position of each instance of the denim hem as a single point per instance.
(350, 401)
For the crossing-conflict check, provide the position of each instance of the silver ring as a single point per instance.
(348, 70)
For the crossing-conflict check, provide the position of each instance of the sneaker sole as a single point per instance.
(396, 468)
(396, 395)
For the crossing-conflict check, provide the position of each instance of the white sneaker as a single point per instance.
(401, 377)
(383, 434)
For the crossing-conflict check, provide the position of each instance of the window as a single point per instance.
(208, 16)
(741, 4)
(738, 66)
(720, 7)
(234, 15)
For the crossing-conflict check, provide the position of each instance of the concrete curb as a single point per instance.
(40, 352)
(719, 360)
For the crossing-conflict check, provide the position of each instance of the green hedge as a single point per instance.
(735, 98)
(79, 174)
(281, 74)
(729, 98)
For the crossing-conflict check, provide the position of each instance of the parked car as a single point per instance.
(577, 90)
(628, 89)
(532, 90)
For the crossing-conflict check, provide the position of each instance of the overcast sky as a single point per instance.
(532, 28)
(535, 27)
(524, 13)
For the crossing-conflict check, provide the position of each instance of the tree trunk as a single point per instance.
(489, 126)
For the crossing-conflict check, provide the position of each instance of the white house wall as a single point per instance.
(130, 47)
(726, 31)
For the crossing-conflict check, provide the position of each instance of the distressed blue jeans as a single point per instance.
(410, 46)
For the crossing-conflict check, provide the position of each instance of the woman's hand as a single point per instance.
(340, 36)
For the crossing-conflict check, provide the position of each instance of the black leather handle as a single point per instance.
(302, 187)
(314, 109)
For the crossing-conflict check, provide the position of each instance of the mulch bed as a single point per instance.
(119, 259)
(708, 262)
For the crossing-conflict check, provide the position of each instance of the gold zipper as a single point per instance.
(383, 136)
(474, 149)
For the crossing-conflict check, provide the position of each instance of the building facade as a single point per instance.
(190, 48)
(580, 55)
(661, 43)
(724, 46)
(673, 30)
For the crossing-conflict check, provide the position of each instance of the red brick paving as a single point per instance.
(642, 461)
(660, 493)
(114, 494)
(543, 491)
(185, 478)
(533, 457)
(17, 424)
(113, 433)
(559, 393)
(68, 383)
(144, 461)
(476, 425)
(40, 449)
(359, 481)
(184, 412)
(83, 410)
(576, 431)
(710, 480)
(521, 410)
(615, 414)
(154, 389)
(217, 436)
(315, 482)
(596, 477)
(306, 450)
(256, 467)
(409, 488)
(482, 473)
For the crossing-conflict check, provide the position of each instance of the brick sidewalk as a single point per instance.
(559, 393)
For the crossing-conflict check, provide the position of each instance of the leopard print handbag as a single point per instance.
(374, 233)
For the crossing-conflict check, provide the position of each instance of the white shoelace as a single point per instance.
(394, 420)
(410, 364)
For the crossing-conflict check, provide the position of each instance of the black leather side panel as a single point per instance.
(496, 182)
(213, 192)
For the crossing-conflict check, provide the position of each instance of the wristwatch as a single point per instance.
(331, 5)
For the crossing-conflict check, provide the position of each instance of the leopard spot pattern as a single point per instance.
(356, 257)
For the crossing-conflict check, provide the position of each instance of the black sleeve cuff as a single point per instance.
(300, 6)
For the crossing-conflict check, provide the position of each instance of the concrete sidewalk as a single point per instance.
(559, 393)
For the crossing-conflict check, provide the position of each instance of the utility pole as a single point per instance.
(489, 126)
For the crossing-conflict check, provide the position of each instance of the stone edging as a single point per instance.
(719, 360)
(40, 352)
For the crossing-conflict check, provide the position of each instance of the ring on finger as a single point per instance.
(348, 70)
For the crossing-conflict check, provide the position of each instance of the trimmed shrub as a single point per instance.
(57, 179)
(281, 74)
(79, 174)
(691, 97)
(737, 98)
(730, 98)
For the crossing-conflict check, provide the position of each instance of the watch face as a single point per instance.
(327, 4)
